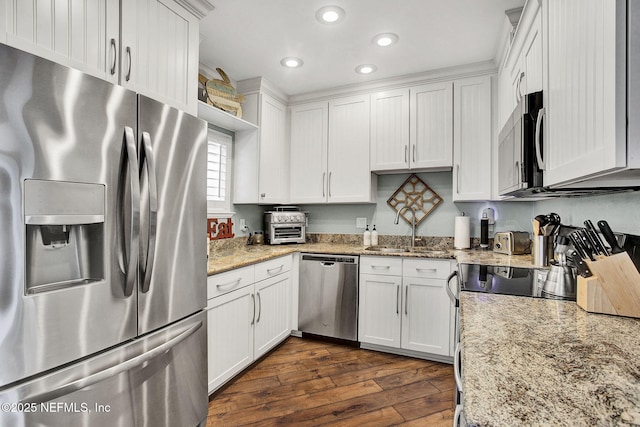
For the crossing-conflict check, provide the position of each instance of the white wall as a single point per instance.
(622, 211)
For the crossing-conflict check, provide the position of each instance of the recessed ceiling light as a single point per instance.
(330, 14)
(386, 39)
(291, 62)
(366, 69)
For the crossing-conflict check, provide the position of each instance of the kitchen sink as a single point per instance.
(389, 249)
(426, 251)
(406, 249)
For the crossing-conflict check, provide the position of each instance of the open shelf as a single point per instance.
(222, 119)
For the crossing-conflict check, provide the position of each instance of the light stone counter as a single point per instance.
(540, 362)
(243, 255)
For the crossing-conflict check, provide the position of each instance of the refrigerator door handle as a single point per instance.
(147, 155)
(100, 376)
(129, 266)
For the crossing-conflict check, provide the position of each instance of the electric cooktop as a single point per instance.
(502, 280)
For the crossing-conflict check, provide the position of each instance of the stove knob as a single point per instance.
(497, 245)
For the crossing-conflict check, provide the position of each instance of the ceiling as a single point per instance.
(248, 38)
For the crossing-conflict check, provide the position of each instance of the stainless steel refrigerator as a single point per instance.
(103, 252)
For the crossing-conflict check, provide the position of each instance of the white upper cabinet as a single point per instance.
(79, 34)
(390, 130)
(157, 54)
(472, 139)
(522, 69)
(411, 129)
(349, 178)
(585, 121)
(261, 158)
(309, 127)
(330, 152)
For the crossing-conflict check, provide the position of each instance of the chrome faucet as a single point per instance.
(413, 222)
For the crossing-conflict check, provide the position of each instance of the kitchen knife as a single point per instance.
(577, 246)
(581, 266)
(609, 237)
(597, 250)
(581, 246)
(596, 237)
(586, 246)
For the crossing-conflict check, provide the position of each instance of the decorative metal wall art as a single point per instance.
(414, 193)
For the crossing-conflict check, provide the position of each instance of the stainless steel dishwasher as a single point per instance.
(328, 298)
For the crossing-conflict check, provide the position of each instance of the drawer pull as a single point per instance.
(384, 267)
(230, 285)
(275, 270)
(426, 269)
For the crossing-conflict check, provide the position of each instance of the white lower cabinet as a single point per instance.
(405, 309)
(248, 315)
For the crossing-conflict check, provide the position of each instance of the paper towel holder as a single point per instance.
(462, 238)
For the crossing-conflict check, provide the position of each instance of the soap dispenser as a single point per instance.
(367, 237)
(374, 236)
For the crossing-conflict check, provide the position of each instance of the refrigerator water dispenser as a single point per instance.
(64, 224)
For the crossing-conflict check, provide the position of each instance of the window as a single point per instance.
(218, 172)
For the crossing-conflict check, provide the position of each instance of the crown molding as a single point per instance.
(199, 8)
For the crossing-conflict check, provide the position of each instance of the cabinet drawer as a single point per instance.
(220, 284)
(273, 267)
(387, 266)
(426, 268)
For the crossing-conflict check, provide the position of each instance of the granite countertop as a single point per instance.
(245, 255)
(540, 362)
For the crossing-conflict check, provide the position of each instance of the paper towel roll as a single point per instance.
(462, 239)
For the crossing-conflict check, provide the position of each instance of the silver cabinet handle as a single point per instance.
(397, 299)
(414, 153)
(128, 75)
(406, 300)
(277, 269)
(405, 154)
(76, 385)
(452, 297)
(129, 266)
(114, 56)
(147, 156)
(457, 368)
(426, 269)
(259, 307)
(329, 185)
(382, 267)
(230, 285)
(541, 164)
(457, 178)
(324, 176)
(253, 300)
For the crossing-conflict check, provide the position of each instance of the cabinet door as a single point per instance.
(426, 316)
(532, 57)
(274, 151)
(272, 313)
(585, 109)
(349, 176)
(472, 139)
(309, 127)
(431, 133)
(379, 310)
(390, 130)
(159, 56)
(79, 34)
(230, 330)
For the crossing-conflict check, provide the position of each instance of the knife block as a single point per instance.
(614, 287)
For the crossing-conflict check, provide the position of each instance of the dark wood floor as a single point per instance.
(310, 383)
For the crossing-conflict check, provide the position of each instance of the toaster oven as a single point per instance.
(285, 224)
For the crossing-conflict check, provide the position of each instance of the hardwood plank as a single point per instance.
(310, 382)
(426, 405)
(350, 407)
(409, 376)
(386, 416)
(439, 419)
(279, 409)
(235, 400)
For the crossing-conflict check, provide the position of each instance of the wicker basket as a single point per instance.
(221, 94)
